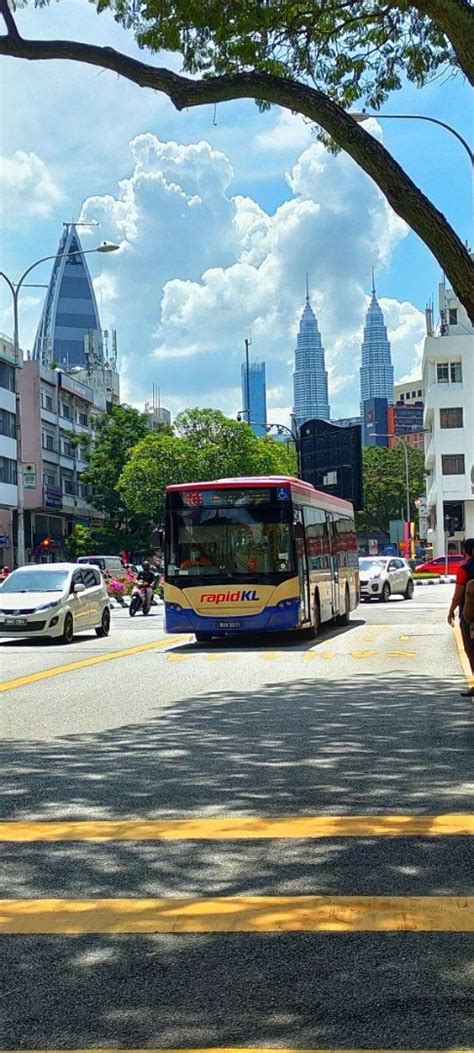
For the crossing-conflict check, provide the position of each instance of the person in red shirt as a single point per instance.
(464, 574)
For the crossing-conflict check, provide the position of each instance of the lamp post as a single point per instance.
(361, 117)
(292, 432)
(15, 288)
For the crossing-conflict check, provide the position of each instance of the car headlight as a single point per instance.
(47, 606)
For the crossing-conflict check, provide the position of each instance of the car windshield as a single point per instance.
(36, 581)
(372, 564)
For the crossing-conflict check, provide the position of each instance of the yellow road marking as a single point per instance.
(363, 654)
(238, 914)
(272, 655)
(327, 655)
(466, 668)
(178, 657)
(237, 828)
(58, 670)
(241, 1049)
(401, 654)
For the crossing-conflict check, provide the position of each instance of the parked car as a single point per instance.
(54, 599)
(438, 565)
(385, 576)
(111, 566)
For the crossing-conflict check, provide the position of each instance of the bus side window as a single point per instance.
(317, 538)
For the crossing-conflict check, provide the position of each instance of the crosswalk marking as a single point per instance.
(247, 827)
(238, 914)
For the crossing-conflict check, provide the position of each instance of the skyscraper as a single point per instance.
(257, 390)
(310, 379)
(69, 331)
(376, 371)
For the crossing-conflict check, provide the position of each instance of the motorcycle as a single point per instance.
(140, 601)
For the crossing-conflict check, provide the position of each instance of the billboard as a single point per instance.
(331, 459)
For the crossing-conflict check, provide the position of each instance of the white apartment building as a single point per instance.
(409, 392)
(8, 450)
(448, 381)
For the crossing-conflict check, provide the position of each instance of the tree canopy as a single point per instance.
(384, 472)
(207, 445)
(314, 57)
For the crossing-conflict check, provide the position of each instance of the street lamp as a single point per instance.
(361, 117)
(15, 291)
(292, 432)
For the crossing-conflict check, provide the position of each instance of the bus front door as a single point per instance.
(303, 576)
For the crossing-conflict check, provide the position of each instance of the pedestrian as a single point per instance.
(464, 574)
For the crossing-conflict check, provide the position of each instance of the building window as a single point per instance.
(420, 394)
(8, 471)
(47, 402)
(7, 376)
(452, 464)
(7, 423)
(68, 450)
(443, 372)
(81, 418)
(68, 486)
(49, 479)
(453, 316)
(451, 418)
(66, 410)
(47, 441)
(402, 397)
(456, 373)
(413, 394)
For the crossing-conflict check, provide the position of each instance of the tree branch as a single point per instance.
(406, 199)
(9, 20)
(456, 19)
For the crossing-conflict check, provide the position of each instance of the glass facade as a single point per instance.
(69, 332)
(310, 378)
(257, 390)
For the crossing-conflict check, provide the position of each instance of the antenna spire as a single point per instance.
(307, 287)
(373, 283)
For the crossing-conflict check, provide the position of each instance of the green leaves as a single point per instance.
(385, 484)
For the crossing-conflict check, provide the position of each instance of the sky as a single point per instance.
(219, 215)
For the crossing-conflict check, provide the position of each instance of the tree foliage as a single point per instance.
(116, 434)
(207, 445)
(384, 473)
(314, 58)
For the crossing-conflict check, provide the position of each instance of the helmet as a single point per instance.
(146, 564)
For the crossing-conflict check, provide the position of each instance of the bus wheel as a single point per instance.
(203, 637)
(316, 620)
(343, 619)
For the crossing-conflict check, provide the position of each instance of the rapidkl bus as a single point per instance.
(257, 555)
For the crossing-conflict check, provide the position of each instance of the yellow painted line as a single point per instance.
(238, 914)
(401, 654)
(58, 670)
(237, 828)
(241, 1049)
(363, 654)
(270, 656)
(466, 668)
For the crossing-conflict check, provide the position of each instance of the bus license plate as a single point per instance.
(230, 625)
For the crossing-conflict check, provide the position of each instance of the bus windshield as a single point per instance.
(230, 541)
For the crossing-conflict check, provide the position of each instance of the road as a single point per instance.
(259, 845)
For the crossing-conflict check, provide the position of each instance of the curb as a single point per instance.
(451, 579)
(465, 665)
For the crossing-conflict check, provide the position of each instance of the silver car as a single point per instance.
(54, 599)
(384, 576)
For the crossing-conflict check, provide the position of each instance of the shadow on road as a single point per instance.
(312, 747)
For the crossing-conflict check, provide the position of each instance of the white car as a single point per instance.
(54, 599)
(385, 576)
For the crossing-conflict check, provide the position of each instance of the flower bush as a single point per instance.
(116, 588)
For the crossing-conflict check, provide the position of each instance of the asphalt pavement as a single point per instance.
(134, 916)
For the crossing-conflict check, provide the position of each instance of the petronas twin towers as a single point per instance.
(310, 377)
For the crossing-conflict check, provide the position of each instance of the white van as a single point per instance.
(107, 564)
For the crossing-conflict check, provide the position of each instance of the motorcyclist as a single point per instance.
(146, 577)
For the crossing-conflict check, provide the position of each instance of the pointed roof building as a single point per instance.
(376, 371)
(69, 332)
(310, 378)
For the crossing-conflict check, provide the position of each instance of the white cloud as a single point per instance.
(200, 267)
(27, 190)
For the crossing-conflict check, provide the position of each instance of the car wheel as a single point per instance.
(104, 628)
(68, 630)
(386, 592)
(343, 619)
(203, 637)
(408, 594)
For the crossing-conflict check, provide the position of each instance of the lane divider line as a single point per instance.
(237, 828)
(48, 917)
(70, 667)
